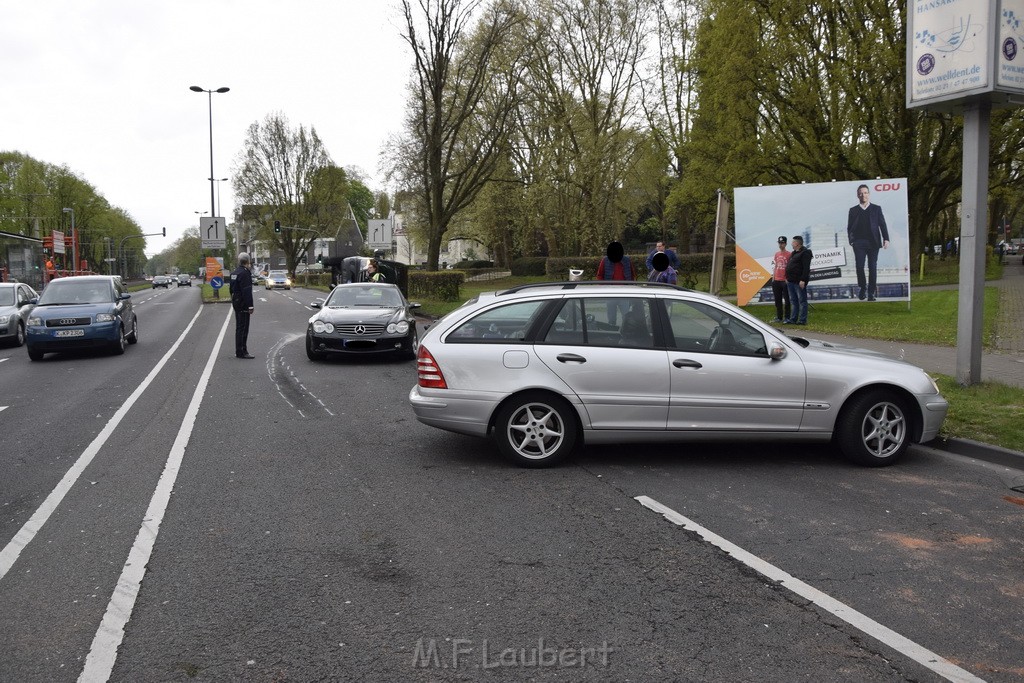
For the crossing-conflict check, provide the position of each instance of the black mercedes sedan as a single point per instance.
(363, 318)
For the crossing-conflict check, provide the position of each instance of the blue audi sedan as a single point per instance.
(82, 312)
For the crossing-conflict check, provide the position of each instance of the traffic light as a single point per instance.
(277, 227)
(304, 261)
(165, 232)
(319, 258)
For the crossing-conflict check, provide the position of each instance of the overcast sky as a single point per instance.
(102, 86)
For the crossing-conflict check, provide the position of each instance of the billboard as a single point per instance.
(854, 246)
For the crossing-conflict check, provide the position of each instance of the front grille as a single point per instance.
(68, 322)
(368, 330)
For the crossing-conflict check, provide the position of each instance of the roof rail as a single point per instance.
(590, 283)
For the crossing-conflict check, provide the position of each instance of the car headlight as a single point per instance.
(4, 319)
(402, 327)
(104, 317)
(35, 322)
(287, 282)
(321, 327)
(935, 384)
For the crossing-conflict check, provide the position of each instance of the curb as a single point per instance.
(996, 455)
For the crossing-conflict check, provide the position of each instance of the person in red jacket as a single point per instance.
(616, 266)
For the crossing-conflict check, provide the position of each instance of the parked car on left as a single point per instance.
(15, 305)
(87, 311)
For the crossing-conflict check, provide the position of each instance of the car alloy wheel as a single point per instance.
(873, 429)
(19, 334)
(536, 429)
(133, 338)
(120, 344)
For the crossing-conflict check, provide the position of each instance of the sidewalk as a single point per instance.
(1003, 364)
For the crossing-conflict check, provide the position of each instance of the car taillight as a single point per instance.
(429, 373)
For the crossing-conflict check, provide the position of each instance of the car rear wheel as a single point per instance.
(874, 429)
(536, 429)
(119, 345)
(414, 347)
(133, 336)
(34, 354)
(311, 351)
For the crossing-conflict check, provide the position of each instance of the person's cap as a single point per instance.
(782, 239)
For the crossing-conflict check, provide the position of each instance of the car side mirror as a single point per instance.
(125, 295)
(34, 300)
(413, 304)
(776, 351)
(317, 303)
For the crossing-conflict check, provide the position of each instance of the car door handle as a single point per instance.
(570, 358)
(686, 363)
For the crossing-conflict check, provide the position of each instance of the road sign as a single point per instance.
(217, 282)
(378, 232)
(213, 232)
(58, 242)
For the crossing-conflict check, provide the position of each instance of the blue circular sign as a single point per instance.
(216, 282)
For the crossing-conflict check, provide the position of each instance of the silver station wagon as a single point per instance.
(543, 368)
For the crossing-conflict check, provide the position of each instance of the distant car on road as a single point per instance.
(86, 311)
(278, 279)
(363, 319)
(545, 367)
(184, 280)
(162, 281)
(15, 306)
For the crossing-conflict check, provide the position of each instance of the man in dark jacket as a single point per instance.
(867, 232)
(798, 272)
(241, 301)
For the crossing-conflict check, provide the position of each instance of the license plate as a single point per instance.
(69, 333)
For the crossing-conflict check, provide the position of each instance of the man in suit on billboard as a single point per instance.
(867, 232)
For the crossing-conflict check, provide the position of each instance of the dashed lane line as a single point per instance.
(861, 622)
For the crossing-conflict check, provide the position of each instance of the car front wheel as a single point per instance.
(118, 348)
(874, 429)
(34, 354)
(311, 352)
(536, 429)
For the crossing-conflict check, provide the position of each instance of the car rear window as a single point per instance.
(503, 323)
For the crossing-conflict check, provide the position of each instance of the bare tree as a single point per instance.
(459, 106)
(289, 173)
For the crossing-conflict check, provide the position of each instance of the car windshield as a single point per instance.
(63, 292)
(378, 297)
(278, 273)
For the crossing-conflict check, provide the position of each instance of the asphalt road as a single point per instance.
(277, 519)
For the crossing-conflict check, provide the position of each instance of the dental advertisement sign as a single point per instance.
(858, 232)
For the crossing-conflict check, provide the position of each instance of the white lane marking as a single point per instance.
(4, 359)
(100, 661)
(3, 408)
(862, 622)
(28, 531)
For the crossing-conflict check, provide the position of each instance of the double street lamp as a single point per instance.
(209, 93)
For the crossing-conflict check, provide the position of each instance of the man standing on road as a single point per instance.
(659, 248)
(867, 232)
(241, 301)
(780, 288)
(798, 272)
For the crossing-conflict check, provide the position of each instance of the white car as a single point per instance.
(15, 306)
(543, 368)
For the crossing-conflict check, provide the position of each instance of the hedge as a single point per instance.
(442, 285)
(529, 265)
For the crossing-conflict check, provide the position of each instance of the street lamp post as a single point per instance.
(209, 93)
(74, 255)
(218, 181)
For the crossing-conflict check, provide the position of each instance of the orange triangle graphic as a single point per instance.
(751, 276)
